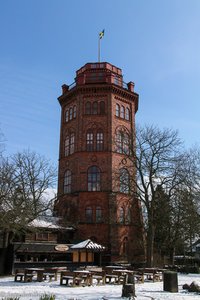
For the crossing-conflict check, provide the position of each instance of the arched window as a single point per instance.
(88, 108)
(93, 179)
(122, 112)
(122, 142)
(70, 113)
(99, 141)
(95, 108)
(127, 115)
(88, 214)
(121, 215)
(67, 182)
(119, 142)
(102, 107)
(117, 112)
(72, 143)
(69, 144)
(90, 141)
(67, 116)
(74, 112)
(98, 214)
(124, 181)
(125, 144)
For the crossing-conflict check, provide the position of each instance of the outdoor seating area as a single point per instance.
(88, 276)
(37, 274)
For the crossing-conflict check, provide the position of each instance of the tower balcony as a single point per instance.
(99, 73)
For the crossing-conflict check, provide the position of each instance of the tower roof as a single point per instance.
(99, 73)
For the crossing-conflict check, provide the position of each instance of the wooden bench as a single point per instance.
(109, 277)
(49, 276)
(65, 277)
(19, 275)
(152, 274)
(28, 277)
(99, 276)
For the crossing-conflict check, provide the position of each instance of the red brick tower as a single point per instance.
(97, 125)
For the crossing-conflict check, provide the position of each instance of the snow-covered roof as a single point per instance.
(47, 222)
(88, 244)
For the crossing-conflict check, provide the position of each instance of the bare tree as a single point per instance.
(159, 160)
(24, 181)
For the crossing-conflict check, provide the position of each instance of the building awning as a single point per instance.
(88, 245)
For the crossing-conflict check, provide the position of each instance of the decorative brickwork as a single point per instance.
(97, 124)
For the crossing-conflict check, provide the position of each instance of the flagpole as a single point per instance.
(101, 34)
(99, 48)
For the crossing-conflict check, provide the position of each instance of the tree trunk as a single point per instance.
(150, 245)
(3, 255)
(5, 238)
(172, 254)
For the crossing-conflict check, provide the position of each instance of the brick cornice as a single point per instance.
(106, 88)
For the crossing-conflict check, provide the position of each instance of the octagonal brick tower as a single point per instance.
(97, 127)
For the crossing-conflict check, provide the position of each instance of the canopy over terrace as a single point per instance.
(85, 251)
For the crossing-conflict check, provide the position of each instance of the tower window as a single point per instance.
(127, 115)
(88, 108)
(70, 113)
(122, 112)
(95, 108)
(125, 144)
(98, 214)
(72, 142)
(102, 107)
(122, 142)
(67, 182)
(74, 112)
(124, 178)
(67, 116)
(93, 179)
(90, 141)
(99, 144)
(69, 144)
(121, 215)
(88, 214)
(117, 112)
(119, 142)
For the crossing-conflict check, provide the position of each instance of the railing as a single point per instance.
(104, 79)
(72, 85)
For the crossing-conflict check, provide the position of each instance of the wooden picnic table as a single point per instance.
(110, 276)
(99, 276)
(51, 273)
(76, 278)
(30, 272)
(40, 273)
(154, 274)
(82, 277)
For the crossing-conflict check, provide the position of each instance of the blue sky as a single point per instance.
(43, 42)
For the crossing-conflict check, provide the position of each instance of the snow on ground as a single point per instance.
(148, 290)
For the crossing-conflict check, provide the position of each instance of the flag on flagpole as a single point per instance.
(101, 34)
